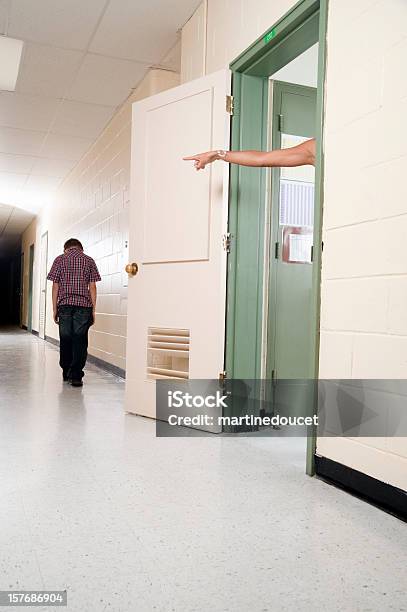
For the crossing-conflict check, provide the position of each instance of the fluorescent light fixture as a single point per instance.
(10, 57)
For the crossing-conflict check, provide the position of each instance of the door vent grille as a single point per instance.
(168, 353)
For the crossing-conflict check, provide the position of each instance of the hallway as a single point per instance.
(92, 502)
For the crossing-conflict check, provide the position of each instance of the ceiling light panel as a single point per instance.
(10, 53)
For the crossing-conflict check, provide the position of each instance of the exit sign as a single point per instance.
(270, 35)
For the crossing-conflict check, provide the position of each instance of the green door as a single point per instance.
(290, 323)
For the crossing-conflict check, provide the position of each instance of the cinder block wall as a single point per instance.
(364, 276)
(92, 204)
(220, 30)
(364, 273)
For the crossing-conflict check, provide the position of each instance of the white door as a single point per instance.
(43, 284)
(176, 301)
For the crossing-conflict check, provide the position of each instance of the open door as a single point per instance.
(43, 284)
(178, 218)
(290, 317)
(290, 323)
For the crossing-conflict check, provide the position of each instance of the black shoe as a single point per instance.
(66, 375)
(76, 383)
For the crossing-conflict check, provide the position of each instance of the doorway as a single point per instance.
(43, 285)
(21, 304)
(10, 286)
(257, 287)
(30, 289)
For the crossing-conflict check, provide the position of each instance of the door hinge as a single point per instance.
(222, 375)
(273, 376)
(312, 253)
(280, 122)
(277, 250)
(230, 104)
(226, 241)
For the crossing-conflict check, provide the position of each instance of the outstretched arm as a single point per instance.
(301, 155)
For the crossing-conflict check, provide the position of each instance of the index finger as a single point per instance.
(192, 157)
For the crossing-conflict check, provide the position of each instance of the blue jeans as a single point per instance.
(74, 323)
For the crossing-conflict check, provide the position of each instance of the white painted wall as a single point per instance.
(193, 45)
(234, 24)
(364, 276)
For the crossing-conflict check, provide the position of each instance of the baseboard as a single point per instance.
(385, 496)
(104, 365)
(33, 331)
(109, 367)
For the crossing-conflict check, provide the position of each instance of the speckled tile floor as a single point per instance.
(92, 502)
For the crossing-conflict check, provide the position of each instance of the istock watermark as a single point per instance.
(289, 407)
(178, 399)
(204, 420)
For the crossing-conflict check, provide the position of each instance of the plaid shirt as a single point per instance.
(73, 271)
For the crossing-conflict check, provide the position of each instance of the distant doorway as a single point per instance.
(21, 319)
(43, 285)
(30, 289)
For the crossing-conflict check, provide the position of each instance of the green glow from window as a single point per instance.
(269, 36)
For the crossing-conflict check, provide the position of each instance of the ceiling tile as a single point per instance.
(11, 185)
(103, 80)
(19, 164)
(14, 181)
(18, 221)
(20, 215)
(47, 71)
(62, 23)
(51, 167)
(5, 210)
(20, 142)
(42, 183)
(65, 147)
(142, 31)
(81, 119)
(26, 112)
(32, 201)
(4, 5)
(4, 217)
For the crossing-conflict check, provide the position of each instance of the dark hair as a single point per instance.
(73, 242)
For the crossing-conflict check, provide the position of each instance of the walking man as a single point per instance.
(74, 277)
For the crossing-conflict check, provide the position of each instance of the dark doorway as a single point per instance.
(10, 282)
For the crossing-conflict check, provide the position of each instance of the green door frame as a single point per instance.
(304, 25)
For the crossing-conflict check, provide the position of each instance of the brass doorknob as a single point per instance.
(131, 269)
